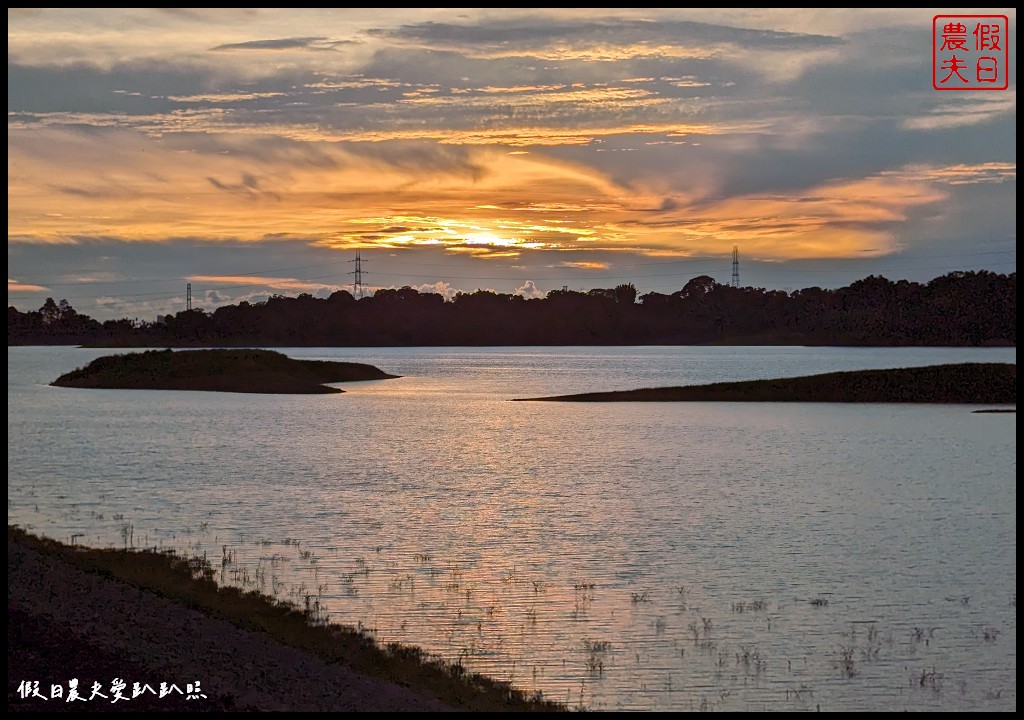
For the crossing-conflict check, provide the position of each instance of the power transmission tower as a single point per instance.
(735, 265)
(188, 296)
(357, 277)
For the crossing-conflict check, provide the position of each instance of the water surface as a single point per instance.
(645, 556)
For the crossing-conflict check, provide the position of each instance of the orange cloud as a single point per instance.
(476, 200)
(962, 174)
(583, 265)
(836, 220)
(15, 286)
(271, 282)
(538, 135)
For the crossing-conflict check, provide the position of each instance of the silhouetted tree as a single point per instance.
(961, 308)
(625, 294)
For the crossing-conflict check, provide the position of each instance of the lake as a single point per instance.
(621, 556)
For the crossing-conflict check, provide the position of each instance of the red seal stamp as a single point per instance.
(970, 52)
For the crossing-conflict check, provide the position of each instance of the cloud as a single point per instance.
(224, 97)
(15, 286)
(441, 288)
(253, 298)
(112, 306)
(583, 265)
(248, 186)
(530, 290)
(836, 219)
(463, 135)
(991, 173)
(277, 283)
(958, 111)
(290, 43)
(594, 40)
(484, 203)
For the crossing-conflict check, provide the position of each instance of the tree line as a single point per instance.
(972, 308)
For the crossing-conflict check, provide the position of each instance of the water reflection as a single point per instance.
(680, 557)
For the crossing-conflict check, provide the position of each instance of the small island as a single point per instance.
(241, 371)
(966, 383)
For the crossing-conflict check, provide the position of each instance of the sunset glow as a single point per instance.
(535, 140)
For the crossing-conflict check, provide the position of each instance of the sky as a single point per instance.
(254, 152)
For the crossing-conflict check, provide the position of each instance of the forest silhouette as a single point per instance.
(973, 308)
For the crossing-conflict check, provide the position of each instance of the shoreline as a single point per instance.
(151, 618)
(737, 342)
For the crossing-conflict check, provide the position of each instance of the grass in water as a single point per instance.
(189, 581)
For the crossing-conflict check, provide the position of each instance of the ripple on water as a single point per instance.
(628, 556)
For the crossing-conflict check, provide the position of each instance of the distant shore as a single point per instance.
(150, 617)
(242, 371)
(961, 383)
(958, 309)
